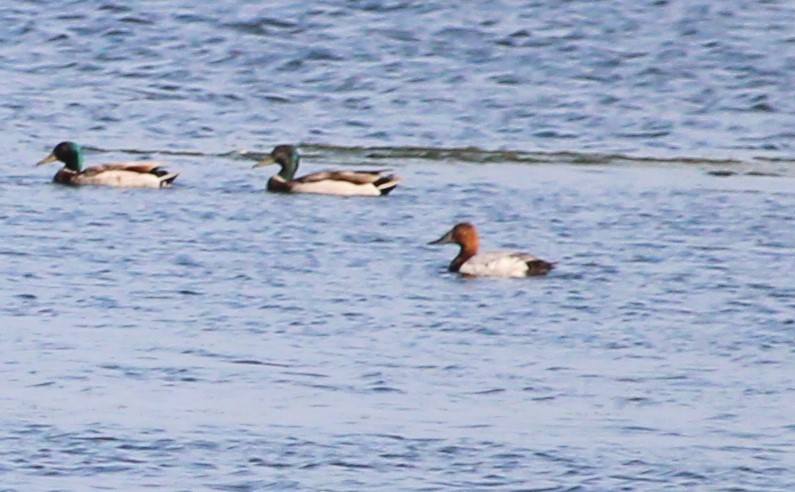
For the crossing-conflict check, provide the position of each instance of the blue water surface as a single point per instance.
(214, 336)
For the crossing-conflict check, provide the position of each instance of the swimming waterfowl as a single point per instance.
(127, 175)
(343, 183)
(491, 264)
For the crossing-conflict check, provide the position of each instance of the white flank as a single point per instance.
(122, 179)
(497, 264)
(341, 188)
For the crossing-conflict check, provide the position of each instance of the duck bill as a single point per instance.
(447, 238)
(47, 160)
(265, 162)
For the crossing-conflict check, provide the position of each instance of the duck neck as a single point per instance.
(289, 167)
(74, 161)
(466, 252)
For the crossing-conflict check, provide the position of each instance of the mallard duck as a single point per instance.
(343, 183)
(127, 175)
(491, 264)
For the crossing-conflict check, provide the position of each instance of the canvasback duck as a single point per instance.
(123, 175)
(342, 183)
(490, 264)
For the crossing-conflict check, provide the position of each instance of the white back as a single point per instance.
(497, 264)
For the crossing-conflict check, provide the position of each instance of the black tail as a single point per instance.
(387, 184)
(539, 267)
(167, 179)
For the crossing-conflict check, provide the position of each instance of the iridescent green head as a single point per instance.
(69, 153)
(285, 156)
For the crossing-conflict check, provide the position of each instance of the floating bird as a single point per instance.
(491, 264)
(343, 183)
(127, 175)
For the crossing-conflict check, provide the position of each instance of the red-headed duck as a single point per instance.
(491, 264)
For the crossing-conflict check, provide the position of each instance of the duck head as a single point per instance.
(286, 156)
(463, 234)
(69, 153)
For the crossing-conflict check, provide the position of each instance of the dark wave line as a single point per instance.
(477, 156)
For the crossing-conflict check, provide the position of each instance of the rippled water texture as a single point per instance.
(216, 337)
(642, 78)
